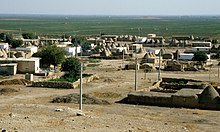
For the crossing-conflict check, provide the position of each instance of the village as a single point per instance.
(131, 73)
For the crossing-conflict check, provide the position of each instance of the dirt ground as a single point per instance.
(30, 109)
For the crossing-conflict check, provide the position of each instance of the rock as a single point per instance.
(11, 115)
(80, 114)
(74, 98)
(3, 130)
(59, 110)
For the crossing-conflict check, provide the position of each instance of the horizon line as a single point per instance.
(161, 15)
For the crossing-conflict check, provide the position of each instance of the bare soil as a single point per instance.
(30, 109)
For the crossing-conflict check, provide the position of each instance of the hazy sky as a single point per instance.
(111, 7)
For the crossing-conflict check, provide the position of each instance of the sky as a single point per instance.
(111, 7)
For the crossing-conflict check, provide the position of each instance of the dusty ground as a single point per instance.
(30, 109)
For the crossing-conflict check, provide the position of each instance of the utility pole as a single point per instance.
(210, 69)
(135, 74)
(159, 66)
(80, 97)
(218, 70)
(122, 66)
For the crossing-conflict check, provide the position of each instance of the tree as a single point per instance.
(9, 38)
(16, 43)
(29, 36)
(200, 56)
(216, 56)
(51, 55)
(86, 46)
(215, 41)
(78, 40)
(2, 36)
(71, 66)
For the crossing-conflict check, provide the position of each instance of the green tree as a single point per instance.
(16, 43)
(200, 56)
(51, 55)
(9, 38)
(2, 36)
(86, 46)
(216, 56)
(29, 36)
(77, 40)
(215, 41)
(71, 66)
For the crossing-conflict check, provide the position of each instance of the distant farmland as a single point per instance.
(131, 25)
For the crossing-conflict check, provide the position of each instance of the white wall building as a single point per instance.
(32, 49)
(141, 40)
(188, 56)
(120, 49)
(203, 49)
(73, 50)
(201, 44)
(4, 46)
(155, 51)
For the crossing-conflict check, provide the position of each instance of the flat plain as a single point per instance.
(167, 26)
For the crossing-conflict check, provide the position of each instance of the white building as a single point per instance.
(72, 51)
(120, 49)
(64, 44)
(201, 44)
(141, 39)
(32, 49)
(188, 56)
(151, 35)
(155, 51)
(4, 46)
(24, 65)
(203, 49)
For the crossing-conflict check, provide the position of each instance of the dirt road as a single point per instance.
(30, 108)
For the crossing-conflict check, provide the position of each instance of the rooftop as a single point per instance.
(20, 59)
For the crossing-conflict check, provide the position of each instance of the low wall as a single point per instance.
(179, 86)
(169, 80)
(168, 100)
(64, 85)
(150, 98)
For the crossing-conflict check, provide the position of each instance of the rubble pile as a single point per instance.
(74, 98)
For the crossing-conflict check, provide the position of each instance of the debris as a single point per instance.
(4, 130)
(15, 82)
(59, 110)
(109, 80)
(7, 90)
(74, 98)
(80, 114)
(11, 115)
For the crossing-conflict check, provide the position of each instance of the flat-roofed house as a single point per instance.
(24, 65)
(9, 69)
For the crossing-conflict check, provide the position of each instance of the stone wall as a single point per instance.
(150, 98)
(65, 85)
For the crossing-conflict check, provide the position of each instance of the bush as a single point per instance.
(51, 55)
(91, 60)
(71, 66)
(216, 56)
(29, 36)
(200, 56)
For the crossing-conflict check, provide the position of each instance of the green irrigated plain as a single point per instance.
(131, 25)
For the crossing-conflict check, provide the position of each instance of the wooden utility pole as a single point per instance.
(136, 74)
(80, 97)
(158, 78)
